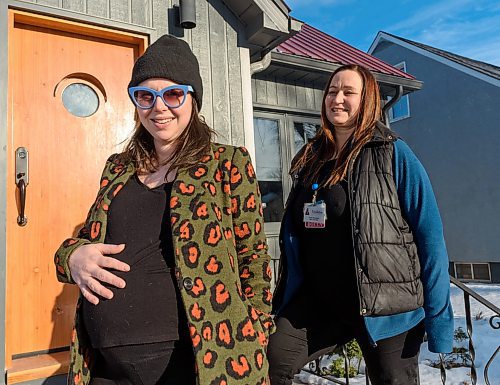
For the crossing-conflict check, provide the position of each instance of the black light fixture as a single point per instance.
(187, 13)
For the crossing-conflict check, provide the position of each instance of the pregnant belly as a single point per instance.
(146, 310)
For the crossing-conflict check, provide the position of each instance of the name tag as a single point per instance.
(314, 215)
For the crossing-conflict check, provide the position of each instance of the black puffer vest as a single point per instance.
(386, 257)
(388, 269)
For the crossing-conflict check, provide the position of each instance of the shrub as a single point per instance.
(354, 357)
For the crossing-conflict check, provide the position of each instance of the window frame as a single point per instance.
(390, 114)
(471, 265)
(290, 120)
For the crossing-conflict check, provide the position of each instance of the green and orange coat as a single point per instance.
(222, 265)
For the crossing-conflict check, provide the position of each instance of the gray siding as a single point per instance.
(136, 12)
(98, 8)
(215, 41)
(454, 130)
(280, 93)
(139, 14)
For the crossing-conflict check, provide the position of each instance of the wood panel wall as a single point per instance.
(283, 93)
(215, 41)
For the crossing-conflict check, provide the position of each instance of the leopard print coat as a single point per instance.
(222, 266)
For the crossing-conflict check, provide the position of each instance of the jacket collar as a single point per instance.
(382, 133)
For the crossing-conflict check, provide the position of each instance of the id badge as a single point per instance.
(314, 215)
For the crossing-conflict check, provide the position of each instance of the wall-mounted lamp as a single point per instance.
(187, 13)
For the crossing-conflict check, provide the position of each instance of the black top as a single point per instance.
(326, 254)
(149, 308)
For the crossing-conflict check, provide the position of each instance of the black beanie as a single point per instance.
(172, 59)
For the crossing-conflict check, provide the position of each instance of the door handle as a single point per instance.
(22, 181)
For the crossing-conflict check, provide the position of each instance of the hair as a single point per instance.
(191, 145)
(322, 147)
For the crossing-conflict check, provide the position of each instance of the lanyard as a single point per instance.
(315, 187)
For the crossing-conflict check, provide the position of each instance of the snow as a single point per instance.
(486, 340)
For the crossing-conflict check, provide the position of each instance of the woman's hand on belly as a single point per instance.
(90, 264)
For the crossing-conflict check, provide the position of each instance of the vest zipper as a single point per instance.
(362, 311)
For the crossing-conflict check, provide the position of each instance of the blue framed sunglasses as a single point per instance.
(172, 96)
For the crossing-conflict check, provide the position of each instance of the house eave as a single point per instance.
(382, 38)
(303, 66)
(266, 24)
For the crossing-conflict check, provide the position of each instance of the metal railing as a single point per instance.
(494, 322)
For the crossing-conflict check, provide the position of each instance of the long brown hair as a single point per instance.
(322, 147)
(191, 145)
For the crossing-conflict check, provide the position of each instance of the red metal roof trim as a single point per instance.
(315, 44)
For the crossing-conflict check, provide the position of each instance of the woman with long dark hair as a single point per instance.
(362, 248)
(172, 261)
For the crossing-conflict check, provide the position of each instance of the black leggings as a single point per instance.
(162, 363)
(298, 340)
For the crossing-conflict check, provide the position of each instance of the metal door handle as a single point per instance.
(22, 181)
(21, 219)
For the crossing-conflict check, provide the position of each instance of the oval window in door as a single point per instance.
(80, 100)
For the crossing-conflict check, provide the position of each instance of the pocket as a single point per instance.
(264, 322)
(267, 323)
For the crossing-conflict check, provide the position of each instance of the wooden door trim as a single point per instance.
(51, 364)
(80, 28)
(41, 366)
(8, 353)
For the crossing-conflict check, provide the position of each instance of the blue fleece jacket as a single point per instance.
(420, 210)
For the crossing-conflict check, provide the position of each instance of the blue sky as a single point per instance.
(469, 28)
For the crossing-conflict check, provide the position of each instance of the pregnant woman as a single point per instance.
(171, 262)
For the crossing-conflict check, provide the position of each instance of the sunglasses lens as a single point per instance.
(174, 97)
(144, 98)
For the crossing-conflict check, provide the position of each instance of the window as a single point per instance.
(303, 132)
(473, 271)
(401, 110)
(80, 100)
(481, 271)
(278, 137)
(269, 167)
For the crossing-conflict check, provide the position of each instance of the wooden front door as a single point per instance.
(69, 108)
